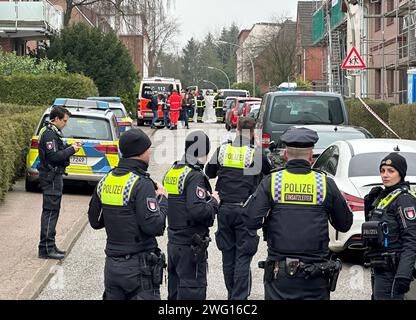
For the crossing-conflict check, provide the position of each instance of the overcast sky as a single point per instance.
(198, 17)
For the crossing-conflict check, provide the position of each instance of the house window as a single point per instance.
(377, 83)
(390, 83)
(390, 8)
(377, 21)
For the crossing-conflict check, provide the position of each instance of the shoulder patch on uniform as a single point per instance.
(409, 213)
(49, 145)
(200, 193)
(152, 204)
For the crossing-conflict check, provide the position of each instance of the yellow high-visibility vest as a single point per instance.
(116, 191)
(174, 180)
(303, 189)
(235, 157)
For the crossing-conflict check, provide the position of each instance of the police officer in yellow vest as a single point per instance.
(238, 166)
(219, 108)
(297, 203)
(192, 208)
(390, 231)
(132, 209)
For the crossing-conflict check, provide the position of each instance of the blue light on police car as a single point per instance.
(59, 102)
(103, 105)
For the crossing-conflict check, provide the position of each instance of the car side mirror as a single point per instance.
(272, 145)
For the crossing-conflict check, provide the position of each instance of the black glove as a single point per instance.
(401, 286)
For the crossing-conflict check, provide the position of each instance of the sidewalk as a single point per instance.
(22, 274)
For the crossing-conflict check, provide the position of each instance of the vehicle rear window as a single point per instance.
(149, 89)
(119, 113)
(80, 127)
(327, 138)
(366, 164)
(306, 110)
(226, 93)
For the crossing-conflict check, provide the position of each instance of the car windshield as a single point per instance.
(80, 127)
(119, 113)
(149, 89)
(306, 110)
(327, 138)
(366, 164)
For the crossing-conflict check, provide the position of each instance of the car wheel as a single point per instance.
(32, 186)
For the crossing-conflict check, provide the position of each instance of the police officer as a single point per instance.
(238, 165)
(298, 202)
(192, 208)
(132, 209)
(53, 159)
(219, 108)
(200, 106)
(390, 231)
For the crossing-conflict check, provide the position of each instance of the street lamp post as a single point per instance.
(251, 61)
(228, 79)
(211, 83)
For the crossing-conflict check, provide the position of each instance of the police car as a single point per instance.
(124, 121)
(96, 129)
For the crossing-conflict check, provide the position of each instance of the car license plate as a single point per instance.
(78, 160)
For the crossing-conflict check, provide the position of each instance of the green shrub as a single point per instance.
(16, 129)
(26, 89)
(402, 119)
(360, 116)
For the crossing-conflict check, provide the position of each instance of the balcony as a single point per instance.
(29, 20)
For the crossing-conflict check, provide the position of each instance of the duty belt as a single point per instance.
(239, 204)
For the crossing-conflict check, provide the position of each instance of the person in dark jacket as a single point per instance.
(390, 231)
(293, 206)
(154, 106)
(238, 165)
(53, 159)
(132, 209)
(192, 209)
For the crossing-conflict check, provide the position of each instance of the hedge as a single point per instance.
(359, 115)
(27, 89)
(17, 124)
(402, 119)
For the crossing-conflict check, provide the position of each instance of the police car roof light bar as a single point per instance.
(108, 99)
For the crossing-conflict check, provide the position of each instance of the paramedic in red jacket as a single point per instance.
(175, 102)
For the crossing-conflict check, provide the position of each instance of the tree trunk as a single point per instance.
(68, 12)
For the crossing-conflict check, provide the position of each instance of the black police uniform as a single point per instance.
(200, 107)
(390, 234)
(53, 159)
(297, 265)
(234, 186)
(191, 212)
(134, 264)
(219, 108)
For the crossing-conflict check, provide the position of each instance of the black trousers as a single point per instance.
(52, 185)
(187, 280)
(295, 288)
(238, 249)
(129, 278)
(200, 113)
(219, 112)
(191, 113)
(382, 285)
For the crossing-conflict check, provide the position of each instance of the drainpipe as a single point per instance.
(304, 64)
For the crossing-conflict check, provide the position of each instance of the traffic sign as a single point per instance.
(353, 60)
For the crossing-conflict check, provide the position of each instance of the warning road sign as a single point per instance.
(353, 60)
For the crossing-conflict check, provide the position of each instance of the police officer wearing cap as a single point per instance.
(390, 231)
(53, 159)
(296, 203)
(132, 209)
(219, 107)
(192, 209)
(238, 165)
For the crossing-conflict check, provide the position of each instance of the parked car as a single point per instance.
(249, 105)
(254, 110)
(354, 166)
(234, 109)
(124, 120)
(99, 133)
(281, 110)
(327, 134)
(234, 93)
